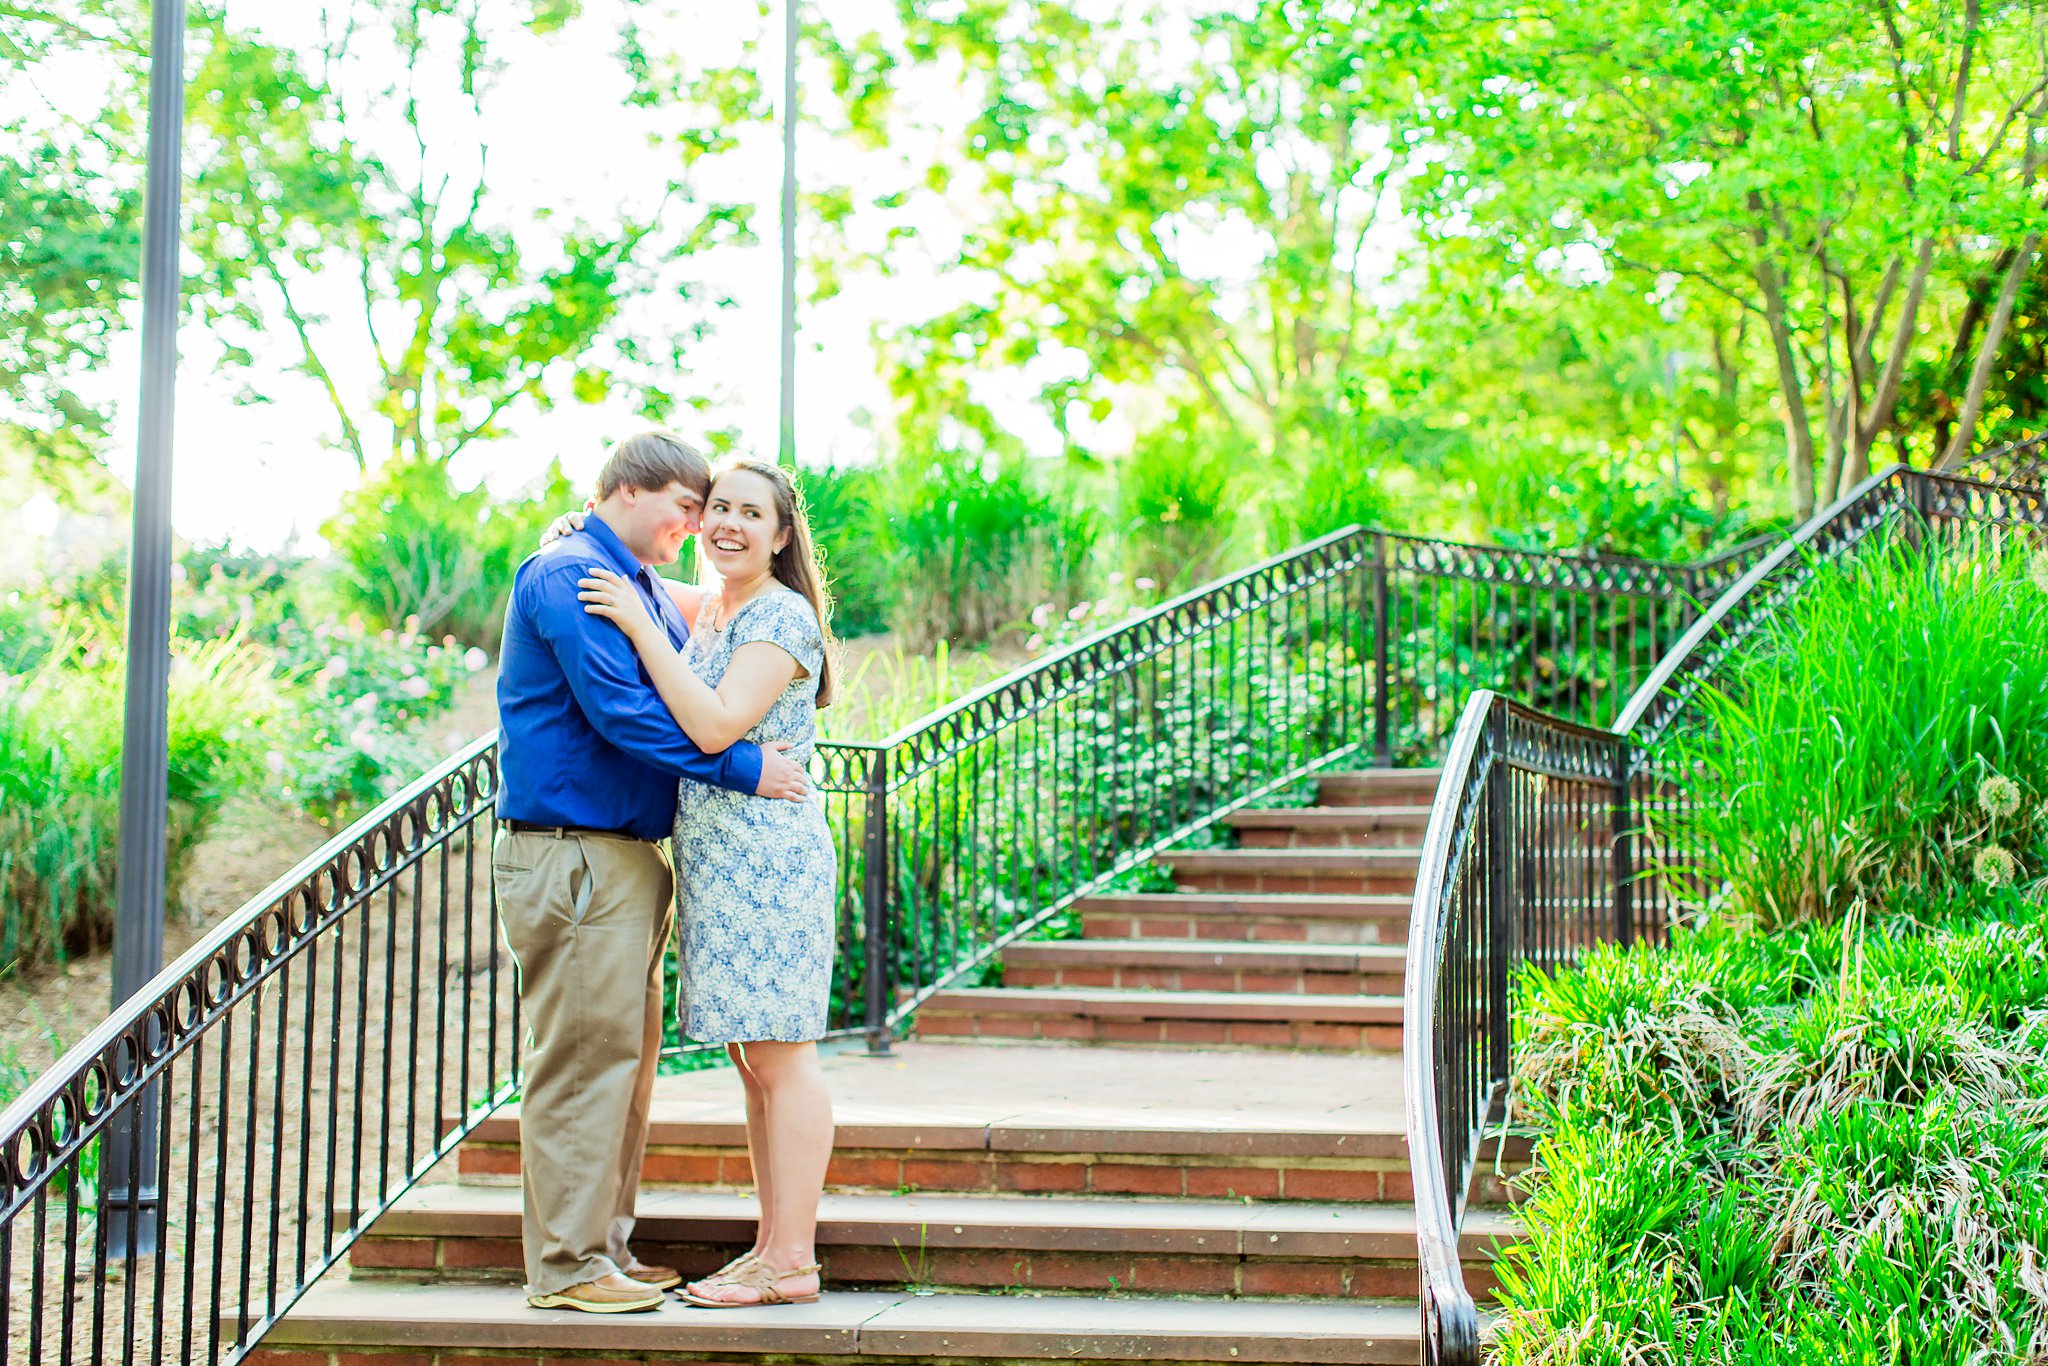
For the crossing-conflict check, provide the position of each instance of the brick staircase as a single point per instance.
(1178, 1138)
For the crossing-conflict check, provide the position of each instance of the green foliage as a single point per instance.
(360, 704)
(1864, 1164)
(69, 213)
(891, 689)
(1889, 732)
(328, 717)
(846, 511)
(431, 558)
(306, 169)
(1180, 492)
(975, 544)
(1818, 1140)
(60, 773)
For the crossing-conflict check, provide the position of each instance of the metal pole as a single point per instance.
(129, 1151)
(877, 943)
(786, 452)
(1382, 715)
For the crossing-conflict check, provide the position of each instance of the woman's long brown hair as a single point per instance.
(796, 564)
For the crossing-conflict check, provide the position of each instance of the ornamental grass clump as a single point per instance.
(1801, 1147)
(1889, 731)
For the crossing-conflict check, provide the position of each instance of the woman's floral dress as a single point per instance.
(755, 876)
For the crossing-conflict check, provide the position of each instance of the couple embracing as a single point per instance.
(632, 710)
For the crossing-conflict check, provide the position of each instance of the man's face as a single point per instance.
(659, 522)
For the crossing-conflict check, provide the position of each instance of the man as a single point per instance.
(590, 757)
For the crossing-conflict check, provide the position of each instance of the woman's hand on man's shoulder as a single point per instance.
(567, 524)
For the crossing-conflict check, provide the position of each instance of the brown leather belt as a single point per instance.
(564, 831)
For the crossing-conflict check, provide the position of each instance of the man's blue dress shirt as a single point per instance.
(585, 739)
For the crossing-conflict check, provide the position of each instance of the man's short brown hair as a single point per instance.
(652, 461)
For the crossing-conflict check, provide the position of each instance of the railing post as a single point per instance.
(1624, 848)
(1501, 923)
(1920, 495)
(1382, 720)
(875, 904)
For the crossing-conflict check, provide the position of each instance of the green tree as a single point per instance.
(1183, 209)
(69, 199)
(1831, 169)
(462, 316)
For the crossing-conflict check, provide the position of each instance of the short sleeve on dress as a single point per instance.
(783, 618)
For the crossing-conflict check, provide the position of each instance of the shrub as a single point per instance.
(1890, 731)
(60, 776)
(417, 548)
(360, 704)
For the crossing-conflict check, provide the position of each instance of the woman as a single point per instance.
(755, 877)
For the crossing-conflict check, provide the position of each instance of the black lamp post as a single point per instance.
(129, 1199)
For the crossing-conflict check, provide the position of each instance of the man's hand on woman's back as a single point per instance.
(782, 776)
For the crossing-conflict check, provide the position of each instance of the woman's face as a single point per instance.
(742, 531)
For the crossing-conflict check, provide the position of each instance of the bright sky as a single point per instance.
(562, 140)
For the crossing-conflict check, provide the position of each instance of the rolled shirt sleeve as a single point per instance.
(615, 692)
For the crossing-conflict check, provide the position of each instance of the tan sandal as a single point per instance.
(762, 1279)
(725, 1275)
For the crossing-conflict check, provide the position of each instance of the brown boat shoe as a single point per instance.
(609, 1294)
(653, 1277)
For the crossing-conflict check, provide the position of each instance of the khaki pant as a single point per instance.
(588, 918)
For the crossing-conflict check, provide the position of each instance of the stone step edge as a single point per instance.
(1111, 1003)
(1018, 1138)
(857, 1324)
(1214, 954)
(1006, 1139)
(1339, 859)
(1284, 817)
(1245, 1230)
(1311, 905)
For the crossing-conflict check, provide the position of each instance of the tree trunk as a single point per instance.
(1884, 399)
(1798, 428)
(1987, 355)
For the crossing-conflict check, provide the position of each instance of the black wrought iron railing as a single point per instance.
(316, 1054)
(1549, 836)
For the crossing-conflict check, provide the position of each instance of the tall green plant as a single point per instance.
(60, 783)
(845, 505)
(1890, 730)
(1179, 493)
(976, 545)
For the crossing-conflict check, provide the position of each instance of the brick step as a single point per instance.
(1187, 1153)
(1379, 786)
(1195, 965)
(1355, 871)
(370, 1324)
(1205, 1019)
(1223, 1249)
(1320, 827)
(1271, 919)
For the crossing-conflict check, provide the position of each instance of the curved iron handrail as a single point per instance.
(105, 1088)
(1480, 846)
(1450, 1316)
